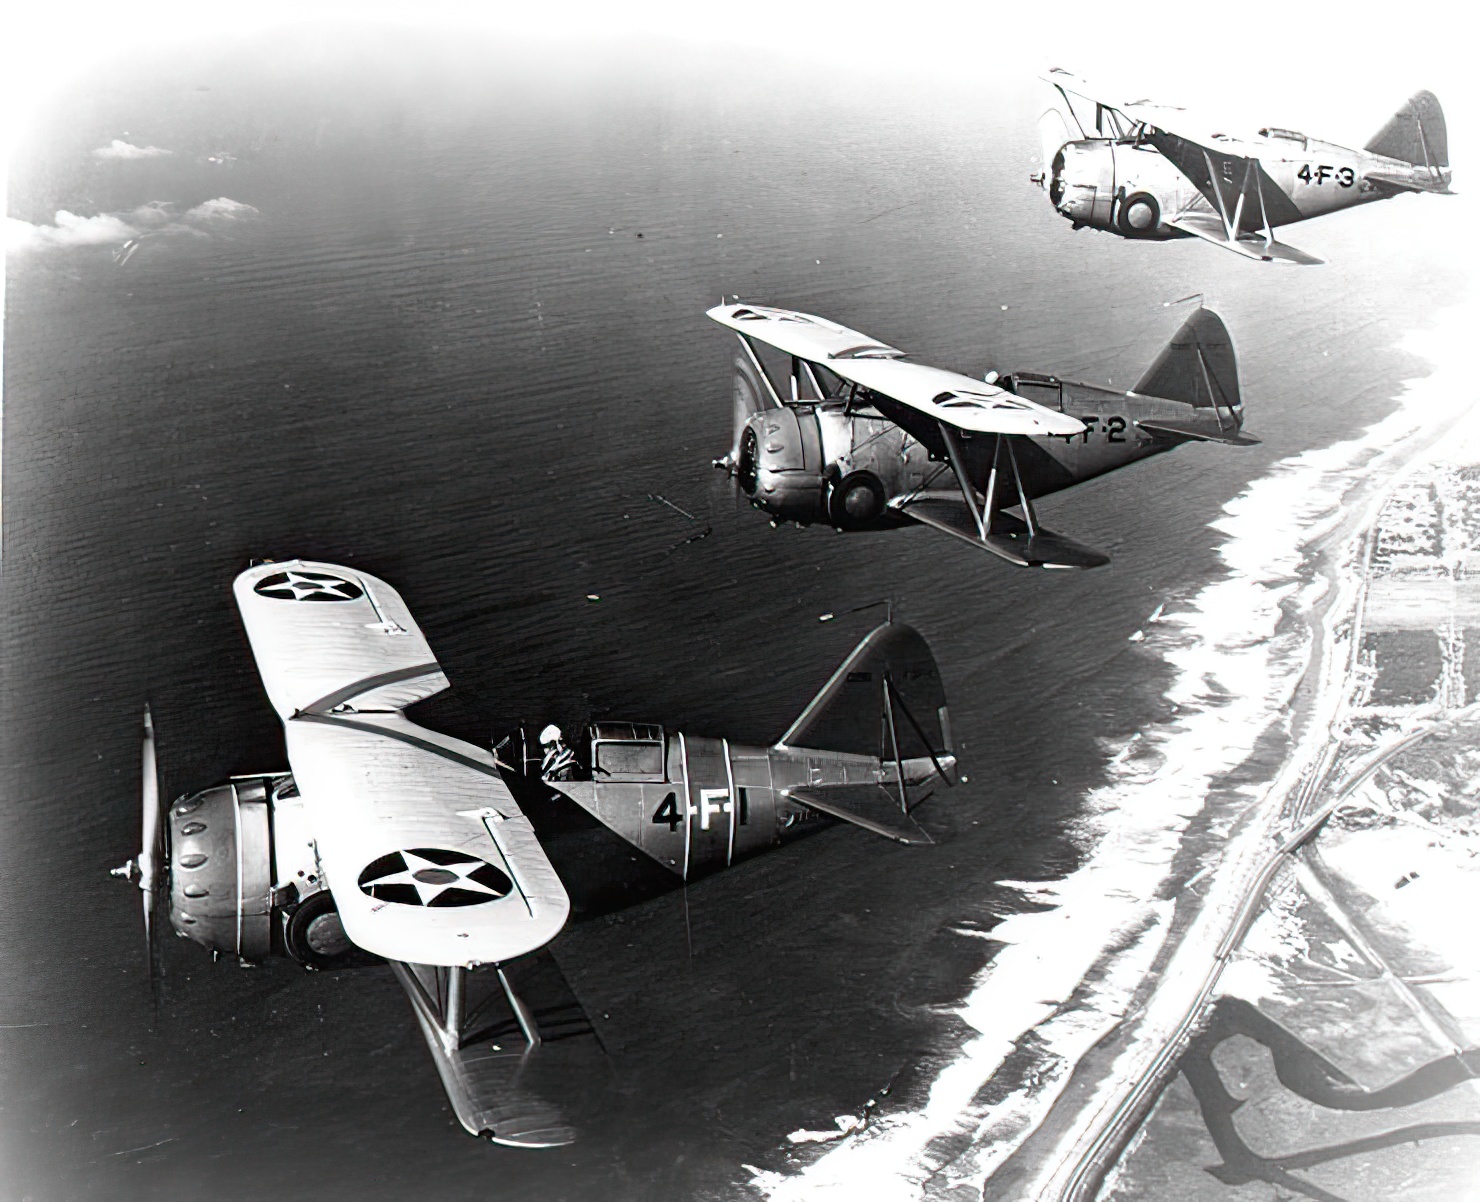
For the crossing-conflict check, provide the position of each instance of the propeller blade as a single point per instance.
(149, 841)
(1053, 132)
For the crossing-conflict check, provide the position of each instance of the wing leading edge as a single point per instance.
(943, 396)
(424, 849)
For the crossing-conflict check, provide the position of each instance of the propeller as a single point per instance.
(145, 867)
(1053, 133)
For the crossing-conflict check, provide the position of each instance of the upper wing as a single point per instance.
(1098, 114)
(944, 396)
(421, 843)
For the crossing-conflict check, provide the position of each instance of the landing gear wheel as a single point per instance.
(1139, 215)
(314, 935)
(855, 500)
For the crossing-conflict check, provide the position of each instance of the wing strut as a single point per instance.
(1228, 228)
(958, 465)
(817, 388)
(522, 1015)
(1027, 505)
(760, 369)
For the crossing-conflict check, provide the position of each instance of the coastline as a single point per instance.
(1269, 639)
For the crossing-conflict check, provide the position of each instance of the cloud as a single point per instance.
(68, 230)
(156, 219)
(221, 207)
(119, 149)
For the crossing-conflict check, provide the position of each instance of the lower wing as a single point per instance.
(1209, 228)
(1007, 537)
(513, 1047)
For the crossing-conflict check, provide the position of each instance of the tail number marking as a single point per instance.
(1344, 176)
(712, 802)
(668, 813)
(1113, 429)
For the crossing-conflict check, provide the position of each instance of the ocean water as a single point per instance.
(425, 338)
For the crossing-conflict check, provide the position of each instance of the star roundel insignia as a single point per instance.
(433, 876)
(307, 586)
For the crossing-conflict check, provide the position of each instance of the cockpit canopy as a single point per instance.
(626, 751)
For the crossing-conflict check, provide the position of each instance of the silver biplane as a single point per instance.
(1136, 169)
(388, 838)
(857, 437)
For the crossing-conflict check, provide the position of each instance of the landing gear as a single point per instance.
(1139, 215)
(855, 500)
(313, 933)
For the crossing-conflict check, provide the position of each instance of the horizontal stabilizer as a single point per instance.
(498, 1084)
(866, 806)
(1008, 538)
(1437, 184)
(1252, 246)
(1233, 438)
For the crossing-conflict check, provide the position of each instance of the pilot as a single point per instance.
(559, 761)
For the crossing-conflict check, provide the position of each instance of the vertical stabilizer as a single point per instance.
(848, 714)
(1197, 367)
(1415, 133)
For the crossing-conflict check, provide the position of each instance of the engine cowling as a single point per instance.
(779, 466)
(234, 877)
(1082, 182)
(221, 869)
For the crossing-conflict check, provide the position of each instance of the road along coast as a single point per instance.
(1085, 996)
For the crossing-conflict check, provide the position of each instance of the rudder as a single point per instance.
(1415, 133)
(849, 712)
(1198, 366)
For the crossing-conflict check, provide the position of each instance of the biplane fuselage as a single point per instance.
(858, 438)
(1134, 170)
(389, 838)
(1127, 186)
(694, 804)
(849, 466)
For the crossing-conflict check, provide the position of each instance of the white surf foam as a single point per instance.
(1067, 974)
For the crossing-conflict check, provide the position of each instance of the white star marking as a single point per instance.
(428, 890)
(302, 587)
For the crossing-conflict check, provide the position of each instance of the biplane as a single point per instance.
(1141, 170)
(384, 838)
(856, 437)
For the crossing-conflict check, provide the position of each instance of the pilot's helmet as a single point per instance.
(551, 734)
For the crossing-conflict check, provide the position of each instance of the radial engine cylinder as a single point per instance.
(780, 464)
(221, 868)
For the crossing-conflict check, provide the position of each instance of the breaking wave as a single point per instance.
(1066, 975)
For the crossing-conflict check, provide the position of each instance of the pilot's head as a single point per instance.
(550, 736)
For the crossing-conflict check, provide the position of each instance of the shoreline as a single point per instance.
(1318, 702)
(1019, 1142)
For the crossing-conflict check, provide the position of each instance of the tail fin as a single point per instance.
(1197, 366)
(1415, 133)
(849, 713)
